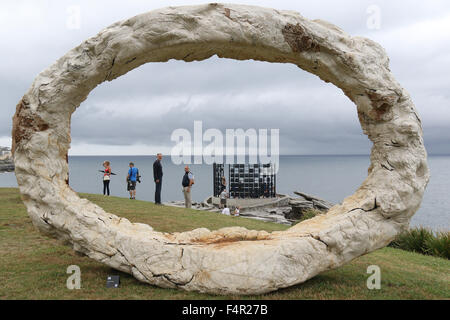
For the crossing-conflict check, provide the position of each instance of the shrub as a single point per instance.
(309, 214)
(439, 245)
(424, 241)
(413, 240)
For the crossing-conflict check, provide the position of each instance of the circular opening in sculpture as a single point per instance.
(232, 260)
(151, 101)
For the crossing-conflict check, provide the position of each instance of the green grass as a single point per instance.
(33, 266)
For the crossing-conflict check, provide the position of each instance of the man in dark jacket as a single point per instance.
(187, 182)
(157, 176)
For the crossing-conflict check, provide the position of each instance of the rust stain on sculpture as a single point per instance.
(228, 13)
(299, 39)
(224, 239)
(25, 123)
(382, 104)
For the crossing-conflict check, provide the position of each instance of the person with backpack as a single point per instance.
(187, 182)
(106, 177)
(132, 178)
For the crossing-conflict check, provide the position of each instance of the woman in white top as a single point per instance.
(106, 177)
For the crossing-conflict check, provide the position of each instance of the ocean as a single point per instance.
(329, 177)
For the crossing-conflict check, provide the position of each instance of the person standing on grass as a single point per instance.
(223, 199)
(132, 177)
(187, 182)
(157, 176)
(106, 177)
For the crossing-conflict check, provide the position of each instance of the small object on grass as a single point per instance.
(113, 282)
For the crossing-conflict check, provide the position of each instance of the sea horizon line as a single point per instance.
(281, 155)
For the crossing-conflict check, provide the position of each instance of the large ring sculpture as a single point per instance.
(230, 260)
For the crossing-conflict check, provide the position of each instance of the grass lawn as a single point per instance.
(33, 266)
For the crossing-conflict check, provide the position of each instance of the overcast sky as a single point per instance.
(143, 108)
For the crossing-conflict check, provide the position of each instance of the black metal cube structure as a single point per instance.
(247, 180)
(219, 172)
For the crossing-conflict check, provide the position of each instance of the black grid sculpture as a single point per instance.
(247, 180)
(219, 172)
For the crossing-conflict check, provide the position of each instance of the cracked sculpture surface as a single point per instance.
(231, 260)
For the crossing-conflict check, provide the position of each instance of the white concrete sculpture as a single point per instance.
(230, 260)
